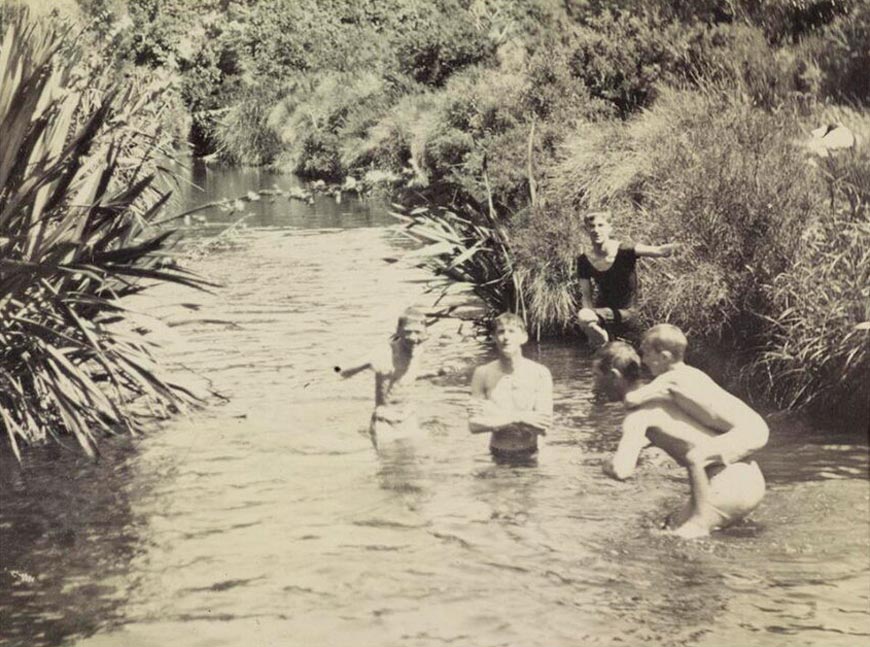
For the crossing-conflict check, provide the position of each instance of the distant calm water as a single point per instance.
(269, 520)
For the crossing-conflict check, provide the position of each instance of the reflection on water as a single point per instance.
(270, 520)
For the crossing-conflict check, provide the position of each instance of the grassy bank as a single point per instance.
(690, 121)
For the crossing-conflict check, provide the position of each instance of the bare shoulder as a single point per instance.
(382, 359)
(541, 371)
(485, 371)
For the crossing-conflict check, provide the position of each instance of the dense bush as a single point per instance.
(683, 118)
(842, 52)
(436, 40)
(622, 57)
(76, 202)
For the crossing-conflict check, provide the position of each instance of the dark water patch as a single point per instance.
(224, 585)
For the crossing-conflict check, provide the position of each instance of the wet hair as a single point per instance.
(508, 318)
(621, 356)
(667, 337)
(408, 316)
(589, 216)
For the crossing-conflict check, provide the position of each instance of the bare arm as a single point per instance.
(353, 370)
(633, 440)
(586, 294)
(656, 251)
(658, 389)
(378, 360)
(484, 415)
(541, 416)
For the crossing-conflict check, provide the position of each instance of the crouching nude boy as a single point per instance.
(720, 494)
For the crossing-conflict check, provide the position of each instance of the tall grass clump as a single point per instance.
(818, 354)
(75, 203)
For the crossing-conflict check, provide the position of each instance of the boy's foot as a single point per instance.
(596, 335)
(691, 530)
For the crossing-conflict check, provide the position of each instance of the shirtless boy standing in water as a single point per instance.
(396, 370)
(720, 494)
(511, 397)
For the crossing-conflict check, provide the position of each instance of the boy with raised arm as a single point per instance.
(512, 396)
(742, 429)
(609, 267)
(396, 368)
(720, 494)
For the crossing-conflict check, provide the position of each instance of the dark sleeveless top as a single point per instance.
(617, 285)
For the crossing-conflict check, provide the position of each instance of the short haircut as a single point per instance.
(667, 337)
(619, 355)
(508, 318)
(408, 316)
(589, 216)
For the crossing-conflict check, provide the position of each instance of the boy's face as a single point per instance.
(599, 230)
(609, 384)
(413, 333)
(657, 361)
(509, 338)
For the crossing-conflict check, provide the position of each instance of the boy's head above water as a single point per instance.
(662, 346)
(615, 369)
(411, 327)
(509, 333)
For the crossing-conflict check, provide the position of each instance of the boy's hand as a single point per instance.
(669, 249)
(632, 401)
(476, 407)
(537, 419)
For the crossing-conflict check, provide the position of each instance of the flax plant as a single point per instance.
(466, 251)
(75, 205)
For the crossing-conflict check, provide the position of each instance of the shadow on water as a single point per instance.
(63, 519)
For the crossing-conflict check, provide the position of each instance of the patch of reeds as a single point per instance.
(76, 199)
(467, 251)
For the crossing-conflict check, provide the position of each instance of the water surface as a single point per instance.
(267, 519)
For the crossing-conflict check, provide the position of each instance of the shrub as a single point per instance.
(467, 249)
(775, 257)
(842, 52)
(319, 116)
(819, 346)
(397, 141)
(244, 133)
(621, 57)
(434, 42)
(75, 203)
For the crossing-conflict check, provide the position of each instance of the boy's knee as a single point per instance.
(696, 456)
(587, 316)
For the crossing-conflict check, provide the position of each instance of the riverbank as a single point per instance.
(690, 124)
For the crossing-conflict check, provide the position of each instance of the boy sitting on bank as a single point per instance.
(511, 397)
(396, 371)
(742, 430)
